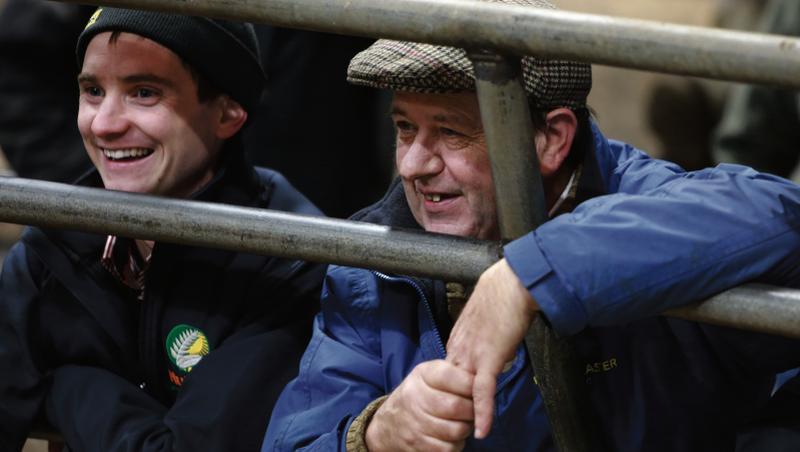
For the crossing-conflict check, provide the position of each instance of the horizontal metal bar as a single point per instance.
(638, 44)
(48, 204)
(755, 307)
(259, 231)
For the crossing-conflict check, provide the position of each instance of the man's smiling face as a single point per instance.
(142, 123)
(443, 162)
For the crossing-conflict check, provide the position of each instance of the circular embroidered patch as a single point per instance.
(186, 346)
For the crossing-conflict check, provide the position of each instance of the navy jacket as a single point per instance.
(196, 365)
(655, 384)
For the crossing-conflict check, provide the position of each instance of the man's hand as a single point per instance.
(487, 333)
(431, 410)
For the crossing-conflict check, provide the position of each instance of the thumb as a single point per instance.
(483, 399)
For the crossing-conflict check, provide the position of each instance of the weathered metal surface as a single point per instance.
(260, 231)
(638, 44)
(507, 124)
(521, 208)
(755, 307)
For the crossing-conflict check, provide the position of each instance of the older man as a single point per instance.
(131, 345)
(375, 377)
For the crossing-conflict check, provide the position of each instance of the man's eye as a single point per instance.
(403, 126)
(93, 91)
(405, 130)
(450, 132)
(145, 92)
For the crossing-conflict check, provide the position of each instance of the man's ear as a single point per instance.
(231, 119)
(555, 141)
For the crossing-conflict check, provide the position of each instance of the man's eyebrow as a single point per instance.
(133, 78)
(451, 118)
(148, 78)
(86, 78)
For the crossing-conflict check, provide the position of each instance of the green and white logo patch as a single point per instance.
(186, 346)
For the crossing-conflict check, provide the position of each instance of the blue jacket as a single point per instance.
(664, 238)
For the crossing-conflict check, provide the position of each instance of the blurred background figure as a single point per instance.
(683, 112)
(760, 126)
(38, 91)
(332, 140)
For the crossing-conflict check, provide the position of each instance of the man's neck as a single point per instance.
(556, 184)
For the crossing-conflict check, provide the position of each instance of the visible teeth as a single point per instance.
(434, 198)
(116, 154)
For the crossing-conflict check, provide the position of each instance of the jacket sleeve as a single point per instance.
(21, 390)
(665, 238)
(223, 405)
(340, 372)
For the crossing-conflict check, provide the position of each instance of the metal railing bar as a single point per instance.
(258, 231)
(637, 44)
(509, 135)
(755, 307)
(521, 208)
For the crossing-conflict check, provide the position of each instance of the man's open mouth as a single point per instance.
(437, 197)
(126, 154)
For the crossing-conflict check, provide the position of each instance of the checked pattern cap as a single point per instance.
(426, 68)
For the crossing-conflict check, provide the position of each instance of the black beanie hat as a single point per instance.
(226, 53)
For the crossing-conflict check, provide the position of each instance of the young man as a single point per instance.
(130, 345)
(375, 377)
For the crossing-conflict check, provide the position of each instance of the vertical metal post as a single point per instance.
(521, 208)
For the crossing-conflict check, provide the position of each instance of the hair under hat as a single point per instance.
(426, 68)
(224, 52)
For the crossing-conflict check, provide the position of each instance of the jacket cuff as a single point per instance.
(558, 304)
(356, 440)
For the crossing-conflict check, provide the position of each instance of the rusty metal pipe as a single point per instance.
(513, 29)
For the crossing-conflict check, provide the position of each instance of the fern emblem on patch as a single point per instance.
(186, 347)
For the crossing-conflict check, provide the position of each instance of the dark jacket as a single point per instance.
(196, 365)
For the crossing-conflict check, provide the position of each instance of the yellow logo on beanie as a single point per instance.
(94, 17)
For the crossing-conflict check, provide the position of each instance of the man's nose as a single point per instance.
(110, 119)
(421, 159)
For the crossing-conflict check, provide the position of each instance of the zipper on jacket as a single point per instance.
(145, 355)
(424, 298)
(150, 347)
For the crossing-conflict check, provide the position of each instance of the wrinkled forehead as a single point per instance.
(461, 107)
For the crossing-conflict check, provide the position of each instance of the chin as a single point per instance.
(451, 230)
(126, 187)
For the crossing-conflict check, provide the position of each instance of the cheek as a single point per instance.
(476, 177)
(85, 116)
(399, 153)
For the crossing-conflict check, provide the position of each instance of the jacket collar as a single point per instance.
(391, 210)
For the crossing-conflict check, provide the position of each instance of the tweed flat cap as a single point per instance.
(426, 68)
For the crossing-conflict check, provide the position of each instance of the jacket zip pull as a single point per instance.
(421, 293)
